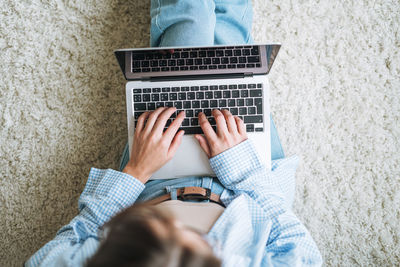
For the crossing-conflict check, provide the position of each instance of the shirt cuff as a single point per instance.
(231, 164)
(119, 187)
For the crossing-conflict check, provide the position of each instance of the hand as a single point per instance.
(230, 132)
(151, 147)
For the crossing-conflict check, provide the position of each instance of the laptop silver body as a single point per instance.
(190, 159)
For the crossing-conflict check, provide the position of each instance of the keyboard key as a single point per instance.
(162, 63)
(146, 70)
(154, 63)
(256, 93)
(258, 104)
(244, 93)
(178, 104)
(189, 61)
(237, 52)
(259, 85)
(243, 111)
(212, 67)
(231, 102)
(222, 103)
(203, 88)
(140, 106)
(193, 54)
(137, 56)
(189, 113)
(193, 68)
(187, 104)
(185, 122)
(151, 106)
(180, 62)
(242, 59)
(176, 55)
(165, 69)
(259, 129)
(196, 112)
(209, 95)
(228, 53)
(159, 104)
(199, 95)
(252, 86)
(175, 89)
(240, 102)
(231, 66)
(235, 93)
(155, 69)
(253, 119)
(195, 104)
(173, 96)
(217, 94)
(191, 95)
(210, 53)
(137, 115)
(214, 87)
(136, 64)
(202, 54)
(222, 67)
(182, 96)
(226, 94)
(255, 51)
(250, 65)
(207, 112)
(242, 86)
(216, 60)
(147, 90)
(165, 89)
(251, 110)
(194, 88)
(232, 86)
(136, 70)
(198, 61)
(207, 61)
(246, 52)
(219, 53)
(249, 127)
(164, 97)
(191, 130)
(223, 87)
(202, 67)
(184, 55)
(184, 68)
(233, 60)
(234, 111)
(249, 102)
(146, 97)
(185, 89)
(224, 60)
(213, 103)
(169, 104)
(204, 103)
(155, 97)
(174, 68)
(241, 66)
(156, 90)
(253, 59)
(194, 121)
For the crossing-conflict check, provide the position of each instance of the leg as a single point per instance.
(233, 22)
(182, 22)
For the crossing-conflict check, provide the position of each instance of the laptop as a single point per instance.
(199, 79)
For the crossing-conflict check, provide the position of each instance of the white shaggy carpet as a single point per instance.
(335, 99)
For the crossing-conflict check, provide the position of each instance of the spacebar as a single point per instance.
(194, 130)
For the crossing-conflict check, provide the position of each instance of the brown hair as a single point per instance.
(132, 240)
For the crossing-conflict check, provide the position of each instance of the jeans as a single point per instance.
(197, 23)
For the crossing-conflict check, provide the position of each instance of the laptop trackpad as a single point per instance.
(190, 159)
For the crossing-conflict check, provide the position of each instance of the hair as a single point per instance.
(133, 239)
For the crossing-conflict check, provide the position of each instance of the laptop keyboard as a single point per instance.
(243, 100)
(186, 59)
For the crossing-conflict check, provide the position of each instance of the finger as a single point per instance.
(230, 121)
(173, 128)
(140, 124)
(162, 119)
(152, 119)
(240, 126)
(175, 144)
(203, 144)
(221, 123)
(205, 125)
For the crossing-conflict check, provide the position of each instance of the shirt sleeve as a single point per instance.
(106, 193)
(241, 171)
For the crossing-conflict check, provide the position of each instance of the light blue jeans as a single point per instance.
(197, 23)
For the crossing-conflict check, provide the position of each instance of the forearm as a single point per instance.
(106, 193)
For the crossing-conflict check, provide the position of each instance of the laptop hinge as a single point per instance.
(198, 77)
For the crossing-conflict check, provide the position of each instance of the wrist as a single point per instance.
(137, 173)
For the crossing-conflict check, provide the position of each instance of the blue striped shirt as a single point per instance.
(257, 228)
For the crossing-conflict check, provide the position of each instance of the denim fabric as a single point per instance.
(200, 22)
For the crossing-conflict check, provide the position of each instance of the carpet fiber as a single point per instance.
(335, 99)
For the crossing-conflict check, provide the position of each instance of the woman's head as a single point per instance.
(143, 235)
